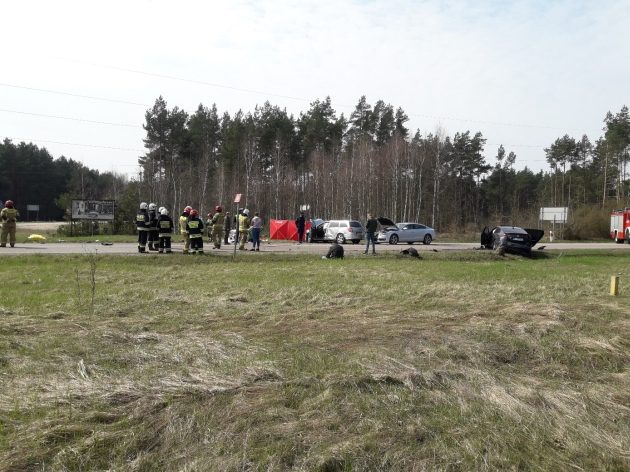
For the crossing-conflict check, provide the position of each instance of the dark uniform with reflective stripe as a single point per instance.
(142, 225)
(153, 230)
(195, 231)
(165, 229)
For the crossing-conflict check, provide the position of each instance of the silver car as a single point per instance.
(342, 231)
(407, 232)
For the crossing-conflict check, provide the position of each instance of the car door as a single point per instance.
(331, 230)
(405, 233)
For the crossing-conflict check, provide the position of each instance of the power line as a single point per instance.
(35, 140)
(302, 99)
(90, 97)
(58, 117)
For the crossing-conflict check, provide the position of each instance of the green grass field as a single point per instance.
(460, 361)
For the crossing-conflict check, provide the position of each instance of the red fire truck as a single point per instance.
(620, 225)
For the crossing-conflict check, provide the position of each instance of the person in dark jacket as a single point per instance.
(195, 231)
(227, 227)
(301, 224)
(153, 238)
(370, 233)
(165, 230)
(142, 225)
(335, 251)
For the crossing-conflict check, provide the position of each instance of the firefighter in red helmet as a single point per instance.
(9, 216)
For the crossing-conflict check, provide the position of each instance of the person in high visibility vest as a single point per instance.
(217, 226)
(243, 229)
(183, 221)
(195, 231)
(9, 216)
(142, 225)
(165, 228)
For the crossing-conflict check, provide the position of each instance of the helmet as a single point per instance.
(209, 214)
(163, 211)
(188, 209)
(246, 212)
(152, 206)
(160, 209)
(240, 210)
(8, 204)
(218, 209)
(143, 206)
(194, 212)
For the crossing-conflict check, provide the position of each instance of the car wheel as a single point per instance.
(340, 239)
(627, 238)
(393, 239)
(427, 239)
(618, 240)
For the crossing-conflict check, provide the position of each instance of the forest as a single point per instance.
(340, 166)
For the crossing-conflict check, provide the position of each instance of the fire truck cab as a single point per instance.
(620, 225)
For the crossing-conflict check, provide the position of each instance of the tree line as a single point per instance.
(341, 166)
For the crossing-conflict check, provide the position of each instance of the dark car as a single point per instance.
(516, 240)
(317, 231)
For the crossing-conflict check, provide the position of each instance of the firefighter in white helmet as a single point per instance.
(243, 229)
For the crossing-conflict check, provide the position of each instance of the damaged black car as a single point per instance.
(514, 239)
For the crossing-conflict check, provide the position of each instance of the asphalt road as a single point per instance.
(276, 247)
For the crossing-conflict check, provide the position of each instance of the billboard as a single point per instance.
(93, 210)
(557, 215)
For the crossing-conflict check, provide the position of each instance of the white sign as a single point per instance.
(32, 207)
(237, 198)
(555, 214)
(93, 210)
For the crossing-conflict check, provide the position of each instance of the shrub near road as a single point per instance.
(455, 362)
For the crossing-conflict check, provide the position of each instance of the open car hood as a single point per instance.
(535, 234)
(386, 222)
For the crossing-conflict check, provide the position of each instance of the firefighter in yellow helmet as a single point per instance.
(217, 226)
(243, 229)
(9, 216)
(183, 221)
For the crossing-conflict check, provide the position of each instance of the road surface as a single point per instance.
(276, 247)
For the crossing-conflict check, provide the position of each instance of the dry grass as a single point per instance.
(455, 363)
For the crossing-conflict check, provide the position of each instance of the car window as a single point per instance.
(333, 224)
(421, 227)
(343, 224)
(355, 224)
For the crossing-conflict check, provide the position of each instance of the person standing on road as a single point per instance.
(243, 229)
(183, 221)
(370, 231)
(153, 227)
(195, 231)
(228, 227)
(217, 226)
(9, 216)
(142, 225)
(301, 224)
(165, 228)
(256, 227)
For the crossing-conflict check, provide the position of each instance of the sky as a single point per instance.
(76, 77)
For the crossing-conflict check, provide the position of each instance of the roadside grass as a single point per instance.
(458, 361)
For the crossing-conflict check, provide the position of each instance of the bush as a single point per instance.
(588, 222)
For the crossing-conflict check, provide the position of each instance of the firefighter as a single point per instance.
(217, 226)
(153, 227)
(209, 226)
(195, 231)
(183, 221)
(165, 228)
(142, 225)
(9, 216)
(243, 229)
(228, 226)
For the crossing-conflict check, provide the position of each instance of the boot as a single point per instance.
(3, 245)
(12, 244)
